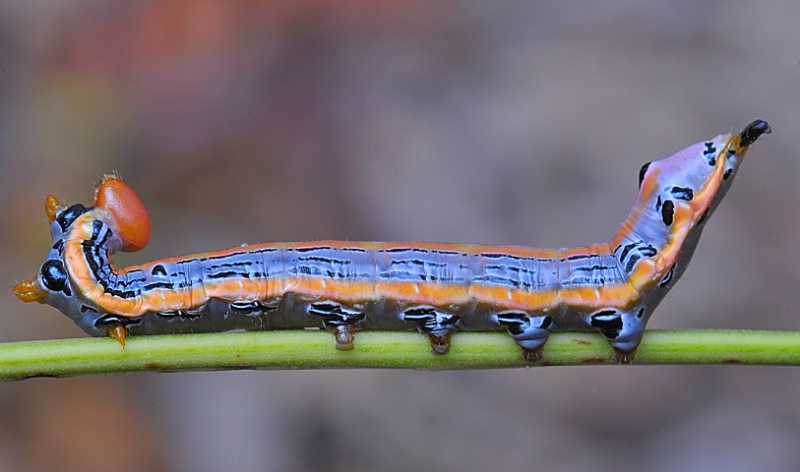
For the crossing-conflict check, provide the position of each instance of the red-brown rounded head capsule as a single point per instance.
(130, 215)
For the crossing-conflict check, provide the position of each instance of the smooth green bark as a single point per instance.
(299, 349)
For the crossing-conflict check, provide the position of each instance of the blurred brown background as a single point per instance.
(504, 122)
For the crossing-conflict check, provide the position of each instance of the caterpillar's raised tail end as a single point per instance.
(753, 131)
(130, 215)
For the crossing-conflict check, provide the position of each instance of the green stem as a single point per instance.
(315, 350)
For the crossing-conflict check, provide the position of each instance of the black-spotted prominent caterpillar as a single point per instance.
(438, 289)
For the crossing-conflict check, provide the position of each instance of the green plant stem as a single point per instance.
(315, 350)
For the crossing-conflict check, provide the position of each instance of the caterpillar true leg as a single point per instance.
(119, 333)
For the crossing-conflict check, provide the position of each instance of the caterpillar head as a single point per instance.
(115, 205)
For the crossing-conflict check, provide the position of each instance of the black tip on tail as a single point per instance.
(753, 131)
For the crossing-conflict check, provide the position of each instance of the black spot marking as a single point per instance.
(667, 212)
(419, 313)
(55, 277)
(59, 246)
(226, 274)
(648, 251)
(682, 193)
(430, 320)
(605, 313)
(312, 248)
(643, 171)
(576, 257)
(727, 174)
(157, 285)
(594, 268)
(324, 260)
(254, 308)
(640, 313)
(97, 228)
(609, 322)
(515, 322)
(180, 313)
(158, 270)
(667, 278)
(491, 255)
(421, 251)
(710, 153)
(633, 252)
(235, 254)
(68, 216)
(109, 320)
(626, 250)
(335, 312)
(632, 262)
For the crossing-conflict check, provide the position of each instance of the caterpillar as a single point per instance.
(343, 287)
